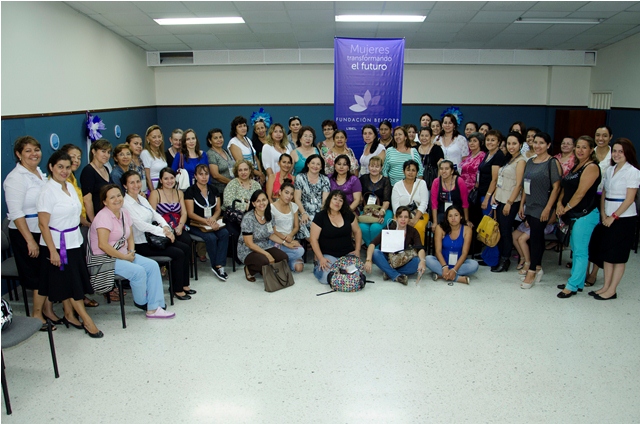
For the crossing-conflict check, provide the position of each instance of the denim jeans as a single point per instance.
(145, 280)
(320, 274)
(381, 260)
(469, 266)
(293, 254)
(217, 243)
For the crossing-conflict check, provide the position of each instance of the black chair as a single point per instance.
(20, 329)
(194, 260)
(164, 260)
(548, 238)
(10, 273)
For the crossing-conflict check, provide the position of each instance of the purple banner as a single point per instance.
(367, 84)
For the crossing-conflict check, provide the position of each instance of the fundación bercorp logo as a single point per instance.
(363, 102)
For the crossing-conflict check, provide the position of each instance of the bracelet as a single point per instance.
(616, 217)
(368, 260)
(568, 206)
(445, 266)
(454, 270)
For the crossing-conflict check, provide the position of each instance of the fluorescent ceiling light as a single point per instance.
(200, 21)
(557, 21)
(380, 18)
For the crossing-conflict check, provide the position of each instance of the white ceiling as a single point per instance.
(300, 24)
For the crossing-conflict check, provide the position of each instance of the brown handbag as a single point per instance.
(277, 276)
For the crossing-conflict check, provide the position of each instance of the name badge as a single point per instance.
(527, 186)
(447, 204)
(453, 258)
(270, 227)
(499, 183)
(207, 212)
(372, 200)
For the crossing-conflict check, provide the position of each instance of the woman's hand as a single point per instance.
(324, 264)
(485, 203)
(269, 257)
(560, 209)
(304, 218)
(354, 253)
(294, 244)
(215, 226)
(178, 229)
(367, 266)
(130, 256)
(521, 211)
(34, 249)
(506, 209)
(608, 221)
(448, 274)
(261, 176)
(54, 258)
(544, 216)
(422, 267)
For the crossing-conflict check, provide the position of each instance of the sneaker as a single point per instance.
(385, 277)
(403, 279)
(219, 272)
(161, 314)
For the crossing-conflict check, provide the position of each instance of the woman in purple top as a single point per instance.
(343, 180)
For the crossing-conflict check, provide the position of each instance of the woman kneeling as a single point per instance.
(452, 240)
(411, 241)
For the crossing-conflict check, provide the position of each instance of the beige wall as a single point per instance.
(55, 60)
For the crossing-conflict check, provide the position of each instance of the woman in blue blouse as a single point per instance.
(190, 155)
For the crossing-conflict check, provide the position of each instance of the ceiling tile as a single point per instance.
(315, 17)
(440, 26)
(194, 29)
(312, 35)
(611, 30)
(317, 44)
(515, 29)
(569, 29)
(437, 37)
(308, 5)
(361, 7)
(466, 45)
(259, 5)
(625, 18)
(227, 38)
(212, 8)
(167, 47)
(161, 6)
(496, 17)
(591, 15)
(198, 38)
(508, 5)
(407, 6)
(159, 39)
(454, 16)
(82, 7)
(121, 32)
(112, 6)
(254, 16)
(271, 28)
(458, 5)
(282, 44)
(604, 6)
(207, 45)
(243, 45)
(545, 15)
(154, 29)
(558, 6)
(136, 41)
(129, 18)
(102, 20)
(634, 8)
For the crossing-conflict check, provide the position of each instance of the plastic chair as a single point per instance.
(20, 329)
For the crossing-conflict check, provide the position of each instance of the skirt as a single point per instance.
(617, 240)
(28, 267)
(70, 283)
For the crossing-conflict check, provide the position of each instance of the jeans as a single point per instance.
(371, 231)
(320, 274)
(469, 266)
(293, 254)
(145, 280)
(382, 262)
(217, 243)
(580, 236)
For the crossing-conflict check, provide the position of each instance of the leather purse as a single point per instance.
(157, 242)
(277, 276)
(401, 258)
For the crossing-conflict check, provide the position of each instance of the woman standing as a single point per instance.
(448, 190)
(256, 247)
(452, 243)
(135, 144)
(376, 190)
(295, 124)
(329, 127)
(425, 120)
(286, 226)
(312, 188)
(176, 144)
(143, 217)
(276, 146)
(22, 188)
(454, 145)
(488, 172)
(527, 149)
(577, 206)
(507, 198)
(94, 176)
(469, 166)
(63, 271)
(541, 188)
(484, 128)
(470, 128)
(111, 233)
(259, 136)
(566, 157)
(306, 148)
(372, 148)
(349, 184)
(332, 231)
(153, 157)
(412, 133)
(397, 156)
(413, 193)
(618, 213)
(386, 134)
(275, 181)
(221, 162)
(122, 158)
(190, 155)
(75, 153)
(241, 148)
(202, 202)
(411, 241)
(430, 155)
(340, 148)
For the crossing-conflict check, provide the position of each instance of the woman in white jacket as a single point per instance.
(413, 193)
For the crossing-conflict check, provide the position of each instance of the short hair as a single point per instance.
(118, 149)
(127, 175)
(543, 135)
(238, 120)
(56, 157)
(177, 131)
(375, 159)
(409, 163)
(305, 169)
(607, 127)
(426, 114)
(202, 167)
(330, 122)
(105, 189)
(479, 136)
(240, 162)
(101, 144)
(427, 129)
(311, 130)
(210, 134)
(475, 124)
(402, 209)
(495, 133)
(21, 142)
(163, 171)
(294, 118)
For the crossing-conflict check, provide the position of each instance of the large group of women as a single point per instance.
(274, 195)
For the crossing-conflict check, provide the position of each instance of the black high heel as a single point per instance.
(68, 323)
(53, 321)
(97, 335)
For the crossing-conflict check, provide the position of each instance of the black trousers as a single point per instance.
(536, 240)
(255, 261)
(506, 228)
(180, 254)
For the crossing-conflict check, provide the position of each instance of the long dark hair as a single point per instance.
(161, 174)
(521, 141)
(334, 176)
(628, 150)
(454, 120)
(446, 227)
(183, 148)
(254, 197)
(309, 159)
(344, 210)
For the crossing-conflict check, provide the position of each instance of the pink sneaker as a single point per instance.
(162, 314)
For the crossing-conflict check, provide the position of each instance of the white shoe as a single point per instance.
(161, 314)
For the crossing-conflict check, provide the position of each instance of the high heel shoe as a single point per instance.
(503, 265)
(248, 276)
(97, 335)
(68, 323)
(53, 321)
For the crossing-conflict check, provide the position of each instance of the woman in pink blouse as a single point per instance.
(566, 157)
(471, 163)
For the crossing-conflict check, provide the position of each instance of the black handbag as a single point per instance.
(563, 231)
(233, 215)
(473, 196)
(157, 242)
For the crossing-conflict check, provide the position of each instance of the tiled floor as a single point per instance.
(488, 352)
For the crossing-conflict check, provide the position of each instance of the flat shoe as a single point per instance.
(190, 291)
(90, 303)
(562, 287)
(161, 314)
(598, 297)
(563, 295)
(592, 293)
(185, 297)
(248, 276)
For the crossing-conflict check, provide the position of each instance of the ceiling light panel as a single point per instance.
(201, 21)
(380, 18)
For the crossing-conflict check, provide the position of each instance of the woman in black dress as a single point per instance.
(94, 176)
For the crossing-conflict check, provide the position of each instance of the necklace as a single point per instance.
(101, 171)
(258, 216)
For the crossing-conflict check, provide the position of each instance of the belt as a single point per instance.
(31, 215)
(63, 244)
(609, 199)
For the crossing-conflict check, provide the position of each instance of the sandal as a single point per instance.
(521, 265)
(569, 265)
(248, 276)
(523, 271)
(202, 258)
(163, 271)
(90, 303)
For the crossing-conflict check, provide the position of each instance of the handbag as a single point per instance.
(157, 242)
(277, 276)
(233, 215)
(102, 267)
(489, 231)
(473, 196)
(369, 213)
(401, 258)
(182, 176)
(563, 232)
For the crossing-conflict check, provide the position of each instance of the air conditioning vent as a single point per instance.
(600, 100)
(176, 58)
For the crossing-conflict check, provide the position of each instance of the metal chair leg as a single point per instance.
(170, 282)
(124, 321)
(53, 348)
(5, 389)
(26, 301)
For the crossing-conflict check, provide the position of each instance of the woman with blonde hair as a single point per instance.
(153, 157)
(277, 144)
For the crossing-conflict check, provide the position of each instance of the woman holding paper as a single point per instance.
(413, 193)
(411, 240)
(202, 201)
